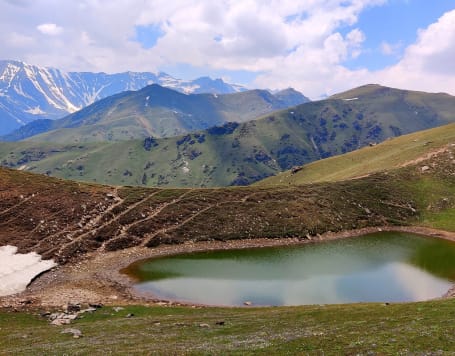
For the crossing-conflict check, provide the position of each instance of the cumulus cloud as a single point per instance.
(297, 43)
(429, 63)
(50, 29)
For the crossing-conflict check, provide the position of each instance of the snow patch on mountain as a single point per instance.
(18, 270)
(35, 111)
(25, 87)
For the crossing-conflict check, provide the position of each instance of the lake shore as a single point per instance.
(98, 278)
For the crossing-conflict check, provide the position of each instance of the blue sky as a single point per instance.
(395, 23)
(316, 46)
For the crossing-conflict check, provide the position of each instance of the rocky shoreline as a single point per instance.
(97, 279)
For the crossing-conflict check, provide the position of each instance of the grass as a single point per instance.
(405, 196)
(385, 156)
(408, 328)
(240, 154)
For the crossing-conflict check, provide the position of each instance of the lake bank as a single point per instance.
(97, 278)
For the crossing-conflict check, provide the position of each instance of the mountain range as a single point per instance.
(155, 111)
(29, 92)
(242, 153)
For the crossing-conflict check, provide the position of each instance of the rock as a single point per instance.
(117, 309)
(130, 315)
(73, 308)
(424, 169)
(62, 318)
(294, 170)
(221, 323)
(76, 332)
(95, 305)
(59, 322)
(204, 325)
(25, 301)
(247, 303)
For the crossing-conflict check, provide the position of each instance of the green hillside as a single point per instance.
(73, 222)
(155, 111)
(398, 152)
(143, 216)
(240, 154)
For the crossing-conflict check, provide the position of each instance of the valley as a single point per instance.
(67, 220)
(370, 160)
(227, 177)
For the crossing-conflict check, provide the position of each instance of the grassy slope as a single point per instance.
(233, 213)
(406, 196)
(385, 156)
(245, 153)
(421, 328)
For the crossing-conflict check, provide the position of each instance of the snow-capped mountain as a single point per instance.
(29, 92)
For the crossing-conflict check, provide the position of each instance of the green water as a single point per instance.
(382, 267)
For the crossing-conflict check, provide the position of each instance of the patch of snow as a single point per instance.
(350, 99)
(35, 111)
(215, 96)
(18, 270)
(185, 168)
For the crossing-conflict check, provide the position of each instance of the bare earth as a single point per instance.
(97, 278)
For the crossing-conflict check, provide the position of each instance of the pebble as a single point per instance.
(76, 332)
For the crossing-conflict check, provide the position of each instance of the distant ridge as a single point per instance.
(239, 153)
(29, 92)
(155, 111)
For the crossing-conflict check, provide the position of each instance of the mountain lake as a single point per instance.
(380, 267)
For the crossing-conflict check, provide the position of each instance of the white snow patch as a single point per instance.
(35, 111)
(350, 99)
(215, 96)
(17, 270)
(185, 168)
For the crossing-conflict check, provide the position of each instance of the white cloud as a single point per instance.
(50, 29)
(295, 43)
(429, 63)
(388, 49)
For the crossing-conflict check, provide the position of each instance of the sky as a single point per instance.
(319, 47)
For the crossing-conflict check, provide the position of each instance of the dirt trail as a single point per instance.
(425, 157)
(414, 161)
(23, 201)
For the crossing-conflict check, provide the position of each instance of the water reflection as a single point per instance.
(379, 267)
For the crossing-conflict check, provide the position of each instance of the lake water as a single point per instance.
(381, 267)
